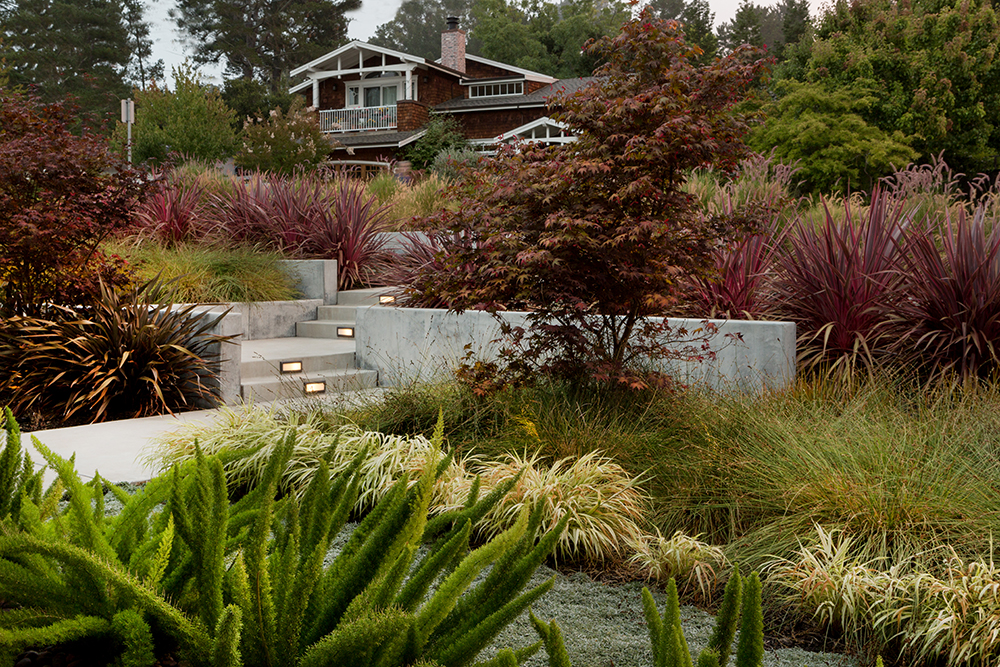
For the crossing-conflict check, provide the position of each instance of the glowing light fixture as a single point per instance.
(291, 366)
(315, 387)
(345, 332)
(386, 299)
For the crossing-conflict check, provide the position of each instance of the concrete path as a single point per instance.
(114, 449)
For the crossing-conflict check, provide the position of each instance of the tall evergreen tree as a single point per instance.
(698, 19)
(744, 28)
(141, 68)
(68, 47)
(266, 38)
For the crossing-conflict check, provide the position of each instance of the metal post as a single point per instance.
(128, 117)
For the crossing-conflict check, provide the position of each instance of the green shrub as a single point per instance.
(131, 354)
(443, 132)
(285, 142)
(192, 121)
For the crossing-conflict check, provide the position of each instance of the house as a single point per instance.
(377, 101)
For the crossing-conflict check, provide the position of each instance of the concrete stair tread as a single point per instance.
(287, 349)
(299, 378)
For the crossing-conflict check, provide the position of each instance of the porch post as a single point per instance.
(408, 93)
(315, 94)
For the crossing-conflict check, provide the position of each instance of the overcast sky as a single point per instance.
(373, 13)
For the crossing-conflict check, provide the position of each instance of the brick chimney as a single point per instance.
(453, 46)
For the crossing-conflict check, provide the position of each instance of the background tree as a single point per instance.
(416, 27)
(698, 20)
(825, 133)
(141, 67)
(543, 36)
(744, 28)
(191, 120)
(262, 38)
(931, 67)
(590, 235)
(772, 26)
(252, 101)
(69, 47)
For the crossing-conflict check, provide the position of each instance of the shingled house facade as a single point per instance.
(376, 101)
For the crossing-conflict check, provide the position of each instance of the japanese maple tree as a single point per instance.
(590, 236)
(60, 195)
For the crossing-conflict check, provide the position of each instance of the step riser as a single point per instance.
(270, 390)
(321, 329)
(362, 297)
(339, 313)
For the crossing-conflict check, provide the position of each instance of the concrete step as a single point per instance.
(363, 297)
(324, 329)
(263, 358)
(293, 385)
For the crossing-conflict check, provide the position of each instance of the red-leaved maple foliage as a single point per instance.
(591, 236)
(60, 195)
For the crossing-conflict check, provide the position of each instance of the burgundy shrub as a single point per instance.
(838, 283)
(951, 315)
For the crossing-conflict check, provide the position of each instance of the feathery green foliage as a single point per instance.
(243, 584)
(18, 478)
(728, 617)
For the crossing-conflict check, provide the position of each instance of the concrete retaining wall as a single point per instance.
(315, 278)
(423, 344)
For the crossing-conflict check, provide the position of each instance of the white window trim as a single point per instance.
(474, 87)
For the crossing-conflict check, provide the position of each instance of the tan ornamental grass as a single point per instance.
(605, 504)
(246, 438)
(693, 564)
(950, 616)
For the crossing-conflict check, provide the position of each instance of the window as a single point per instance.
(496, 89)
(378, 92)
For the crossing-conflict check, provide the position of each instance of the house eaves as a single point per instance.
(528, 74)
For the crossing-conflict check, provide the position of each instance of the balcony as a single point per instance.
(356, 120)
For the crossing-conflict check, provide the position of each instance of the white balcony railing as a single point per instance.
(354, 120)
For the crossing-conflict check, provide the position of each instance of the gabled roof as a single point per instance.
(355, 45)
(529, 75)
(551, 127)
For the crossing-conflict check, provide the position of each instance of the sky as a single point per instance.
(373, 13)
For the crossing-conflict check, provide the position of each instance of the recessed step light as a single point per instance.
(385, 299)
(315, 387)
(345, 332)
(291, 366)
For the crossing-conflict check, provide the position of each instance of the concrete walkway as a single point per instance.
(114, 449)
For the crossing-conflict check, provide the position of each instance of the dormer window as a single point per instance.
(496, 89)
